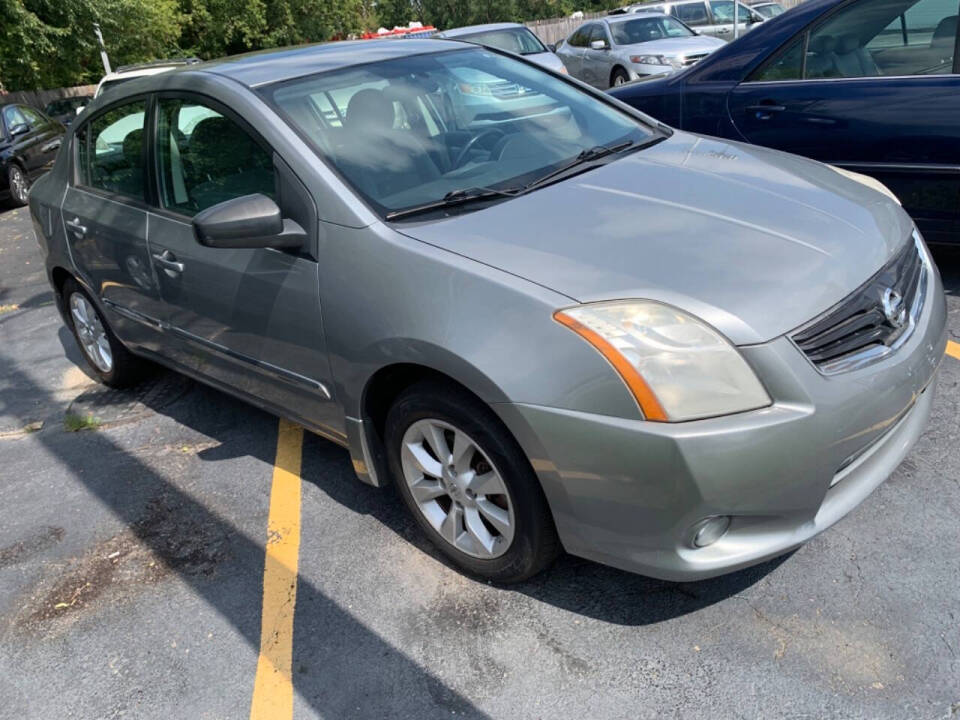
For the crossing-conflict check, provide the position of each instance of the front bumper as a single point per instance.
(627, 492)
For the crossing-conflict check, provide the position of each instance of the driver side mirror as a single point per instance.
(20, 129)
(251, 221)
(598, 44)
(552, 47)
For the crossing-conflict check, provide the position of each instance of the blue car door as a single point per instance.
(873, 88)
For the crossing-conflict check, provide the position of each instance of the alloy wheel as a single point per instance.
(91, 333)
(19, 187)
(457, 489)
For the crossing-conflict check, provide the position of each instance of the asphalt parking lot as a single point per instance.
(134, 531)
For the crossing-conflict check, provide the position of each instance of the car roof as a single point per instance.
(269, 66)
(633, 16)
(471, 29)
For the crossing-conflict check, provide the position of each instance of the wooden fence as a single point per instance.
(40, 98)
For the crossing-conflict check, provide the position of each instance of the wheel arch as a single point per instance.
(613, 71)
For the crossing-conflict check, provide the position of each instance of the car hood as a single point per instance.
(672, 47)
(754, 241)
(547, 60)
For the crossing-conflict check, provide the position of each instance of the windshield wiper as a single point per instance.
(586, 157)
(454, 198)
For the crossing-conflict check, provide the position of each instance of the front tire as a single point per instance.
(468, 484)
(19, 185)
(106, 356)
(619, 77)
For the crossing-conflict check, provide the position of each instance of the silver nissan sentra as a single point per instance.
(551, 321)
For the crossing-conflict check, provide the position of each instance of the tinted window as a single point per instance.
(504, 123)
(206, 158)
(597, 33)
(581, 37)
(33, 117)
(786, 66)
(111, 151)
(691, 13)
(642, 30)
(516, 40)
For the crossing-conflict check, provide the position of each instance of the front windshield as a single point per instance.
(641, 30)
(408, 131)
(516, 40)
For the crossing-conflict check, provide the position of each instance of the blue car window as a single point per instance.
(872, 38)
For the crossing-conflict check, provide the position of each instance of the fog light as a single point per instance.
(708, 531)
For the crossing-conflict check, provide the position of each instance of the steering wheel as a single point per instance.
(474, 141)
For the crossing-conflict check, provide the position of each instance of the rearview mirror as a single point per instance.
(251, 221)
(20, 129)
(598, 44)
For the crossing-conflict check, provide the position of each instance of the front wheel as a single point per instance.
(619, 77)
(468, 484)
(19, 185)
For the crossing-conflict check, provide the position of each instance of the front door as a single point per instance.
(571, 52)
(874, 89)
(597, 63)
(46, 137)
(105, 217)
(248, 318)
(723, 17)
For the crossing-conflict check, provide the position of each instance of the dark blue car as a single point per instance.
(872, 86)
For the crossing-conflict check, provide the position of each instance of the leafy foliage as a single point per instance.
(50, 43)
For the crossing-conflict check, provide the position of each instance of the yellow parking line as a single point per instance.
(953, 349)
(273, 686)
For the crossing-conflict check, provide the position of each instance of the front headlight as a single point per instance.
(677, 367)
(649, 60)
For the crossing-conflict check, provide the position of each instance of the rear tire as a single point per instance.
(619, 77)
(477, 499)
(19, 185)
(106, 356)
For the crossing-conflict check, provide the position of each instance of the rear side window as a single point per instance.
(206, 158)
(33, 117)
(110, 151)
(692, 14)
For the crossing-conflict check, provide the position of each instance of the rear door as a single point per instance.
(695, 15)
(597, 64)
(874, 88)
(723, 16)
(105, 219)
(247, 318)
(571, 52)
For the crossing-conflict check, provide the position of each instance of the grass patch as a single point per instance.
(75, 423)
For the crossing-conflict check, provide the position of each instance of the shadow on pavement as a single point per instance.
(357, 669)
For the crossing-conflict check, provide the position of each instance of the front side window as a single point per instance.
(723, 12)
(632, 32)
(516, 40)
(206, 158)
(875, 38)
(769, 11)
(692, 14)
(34, 118)
(598, 33)
(110, 148)
(472, 119)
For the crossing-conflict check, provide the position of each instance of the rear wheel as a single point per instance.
(619, 77)
(468, 484)
(19, 185)
(105, 354)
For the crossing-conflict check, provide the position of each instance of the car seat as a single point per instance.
(853, 60)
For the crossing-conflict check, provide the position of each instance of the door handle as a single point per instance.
(168, 261)
(765, 111)
(723, 31)
(76, 227)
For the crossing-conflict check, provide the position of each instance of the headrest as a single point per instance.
(848, 44)
(369, 109)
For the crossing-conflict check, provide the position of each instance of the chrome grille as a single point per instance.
(869, 323)
(691, 59)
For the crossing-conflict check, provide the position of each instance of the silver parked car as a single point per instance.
(512, 37)
(574, 329)
(707, 17)
(614, 50)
